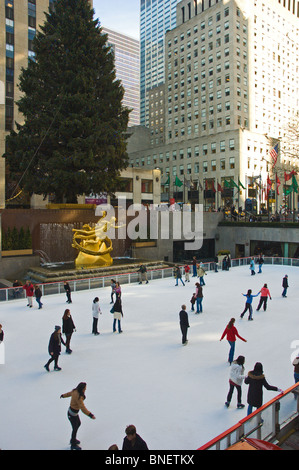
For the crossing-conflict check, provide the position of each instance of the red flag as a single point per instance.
(288, 176)
(213, 187)
(219, 187)
(277, 184)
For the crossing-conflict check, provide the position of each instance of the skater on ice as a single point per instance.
(248, 305)
(237, 375)
(256, 381)
(184, 324)
(199, 297)
(285, 285)
(55, 348)
(178, 275)
(265, 293)
(68, 328)
(67, 292)
(231, 334)
(77, 403)
(96, 310)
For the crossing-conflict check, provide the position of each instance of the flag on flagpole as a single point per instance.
(288, 176)
(240, 184)
(274, 154)
(213, 187)
(294, 184)
(187, 183)
(167, 181)
(269, 186)
(219, 187)
(178, 182)
(200, 186)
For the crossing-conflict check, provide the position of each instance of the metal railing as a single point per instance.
(267, 423)
(48, 288)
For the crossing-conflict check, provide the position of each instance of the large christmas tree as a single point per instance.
(73, 137)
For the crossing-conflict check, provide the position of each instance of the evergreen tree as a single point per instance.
(73, 137)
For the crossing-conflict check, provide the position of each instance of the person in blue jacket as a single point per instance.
(252, 267)
(248, 305)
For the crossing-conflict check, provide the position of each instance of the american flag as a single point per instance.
(274, 154)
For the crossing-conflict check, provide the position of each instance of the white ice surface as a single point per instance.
(174, 394)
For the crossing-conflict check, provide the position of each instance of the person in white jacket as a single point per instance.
(235, 381)
(95, 315)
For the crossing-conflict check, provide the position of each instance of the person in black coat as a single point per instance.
(67, 291)
(285, 285)
(55, 348)
(184, 324)
(256, 381)
(38, 295)
(133, 441)
(68, 328)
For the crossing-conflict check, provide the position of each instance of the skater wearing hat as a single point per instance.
(55, 348)
(285, 286)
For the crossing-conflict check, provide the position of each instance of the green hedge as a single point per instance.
(14, 239)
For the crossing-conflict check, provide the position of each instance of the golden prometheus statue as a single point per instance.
(94, 245)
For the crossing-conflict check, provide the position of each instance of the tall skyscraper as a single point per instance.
(127, 55)
(156, 17)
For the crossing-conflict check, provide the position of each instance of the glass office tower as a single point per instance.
(126, 60)
(156, 17)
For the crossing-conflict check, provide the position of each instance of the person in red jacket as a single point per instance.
(28, 287)
(231, 334)
(265, 293)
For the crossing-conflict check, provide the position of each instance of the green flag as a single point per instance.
(294, 184)
(233, 184)
(288, 189)
(178, 182)
(230, 184)
(240, 184)
(167, 181)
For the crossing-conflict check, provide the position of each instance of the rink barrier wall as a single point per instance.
(271, 422)
(51, 288)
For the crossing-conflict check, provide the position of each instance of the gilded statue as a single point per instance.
(93, 244)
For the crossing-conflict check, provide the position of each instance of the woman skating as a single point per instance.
(68, 328)
(256, 381)
(248, 305)
(55, 348)
(231, 334)
(199, 297)
(95, 315)
(117, 314)
(235, 381)
(77, 403)
(265, 293)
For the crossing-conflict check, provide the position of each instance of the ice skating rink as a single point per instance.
(173, 394)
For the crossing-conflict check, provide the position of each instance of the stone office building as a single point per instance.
(231, 87)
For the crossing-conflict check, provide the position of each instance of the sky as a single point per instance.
(122, 18)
